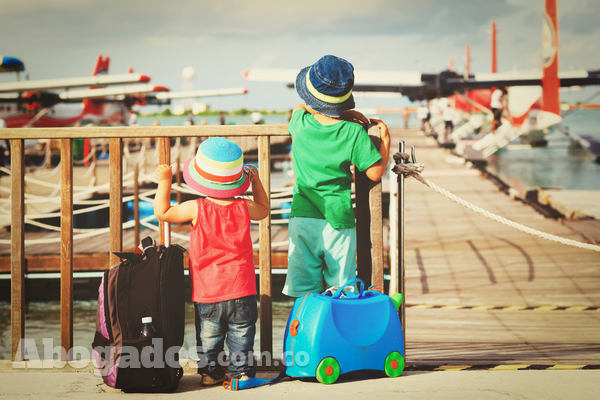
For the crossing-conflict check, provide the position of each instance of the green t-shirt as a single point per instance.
(322, 158)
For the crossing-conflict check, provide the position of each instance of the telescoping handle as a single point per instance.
(339, 292)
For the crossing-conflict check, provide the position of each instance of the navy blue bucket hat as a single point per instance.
(326, 86)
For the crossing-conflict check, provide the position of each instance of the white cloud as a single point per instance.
(221, 38)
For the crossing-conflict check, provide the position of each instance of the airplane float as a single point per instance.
(534, 99)
(33, 104)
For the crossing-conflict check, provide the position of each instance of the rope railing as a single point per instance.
(414, 170)
(283, 194)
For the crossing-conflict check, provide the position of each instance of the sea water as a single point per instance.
(559, 165)
(42, 322)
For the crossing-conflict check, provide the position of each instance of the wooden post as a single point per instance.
(363, 222)
(178, 177)
(266, 301)
(95, 166)
(369, 224)
(116, 198)
(376, 216)
(66, 248)
(136, 205)
(17, 249)
(164, 157)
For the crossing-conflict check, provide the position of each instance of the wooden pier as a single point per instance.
(482, 293)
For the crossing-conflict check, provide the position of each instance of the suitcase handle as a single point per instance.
(339, 292)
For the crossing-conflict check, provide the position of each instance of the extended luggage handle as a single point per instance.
(339, 292)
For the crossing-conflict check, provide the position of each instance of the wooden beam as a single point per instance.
(116, 198)
(266, 300)
(86, 262)
(136, 204)
(363, 222)
(369, 224)
(66, 248)
(376, 217)
(121, 132)
(178, 177)
(17, 249)
(51, 262)
(163, 146)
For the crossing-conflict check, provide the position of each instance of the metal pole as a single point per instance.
(400, 215)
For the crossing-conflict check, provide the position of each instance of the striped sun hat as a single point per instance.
(217, 169)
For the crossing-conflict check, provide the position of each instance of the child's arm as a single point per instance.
(259, 208)
(375, 172)
(184, 212)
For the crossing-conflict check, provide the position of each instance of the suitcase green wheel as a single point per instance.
(328, 370)
(394, 364)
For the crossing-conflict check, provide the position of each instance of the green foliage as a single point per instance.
(208, 113)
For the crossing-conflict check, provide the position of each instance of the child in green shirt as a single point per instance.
(322, 235)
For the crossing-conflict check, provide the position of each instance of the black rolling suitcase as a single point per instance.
(147, 284)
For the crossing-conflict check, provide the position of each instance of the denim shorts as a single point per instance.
(231, 322)
(319, 256)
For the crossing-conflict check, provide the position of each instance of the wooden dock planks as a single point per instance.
(457, 257)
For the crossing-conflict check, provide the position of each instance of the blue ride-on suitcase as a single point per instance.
(331, 334)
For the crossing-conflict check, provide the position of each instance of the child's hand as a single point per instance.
(164, 173)
(250, 171)
(383, 129)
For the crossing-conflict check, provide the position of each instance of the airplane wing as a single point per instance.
(380, 83)
(112, 91)
(361, 78)
(526, 78)
(200, 93)
(421, 86)
(97, 80)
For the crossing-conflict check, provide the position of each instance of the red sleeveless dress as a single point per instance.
(221, 256)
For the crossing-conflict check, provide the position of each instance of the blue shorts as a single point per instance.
(319, 256)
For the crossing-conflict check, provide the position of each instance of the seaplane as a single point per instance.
(533, 96)
(99, 100)
(532, 103)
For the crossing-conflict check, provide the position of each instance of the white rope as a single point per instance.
(414, 170)
(88, 234)
(47, 157)
(87, 158)
(176, 149)
(87, 173)
(92, 233)
(106, 204)
(34, 172)
(192, 148)
(79, 191)
(142, 153)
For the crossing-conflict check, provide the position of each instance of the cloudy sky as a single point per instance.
(221, 38)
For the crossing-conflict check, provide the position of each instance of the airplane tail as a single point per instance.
(550, 81)
(535, 108)
(100, 68)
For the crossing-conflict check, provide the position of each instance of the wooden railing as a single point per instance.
(368, 211)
